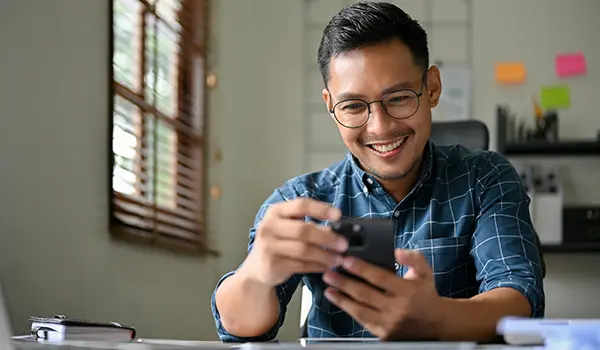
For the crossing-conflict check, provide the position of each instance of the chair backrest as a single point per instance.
(472, 134)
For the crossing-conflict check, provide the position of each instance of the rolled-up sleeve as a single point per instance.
(284, 291)
(505, 247)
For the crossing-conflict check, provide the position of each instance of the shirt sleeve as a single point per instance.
(505, 245)
(284, 291)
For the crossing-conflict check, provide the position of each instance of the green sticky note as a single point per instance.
(555, 97)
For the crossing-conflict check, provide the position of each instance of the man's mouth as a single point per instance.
(389, 149)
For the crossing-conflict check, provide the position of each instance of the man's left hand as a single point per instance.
(404, 308)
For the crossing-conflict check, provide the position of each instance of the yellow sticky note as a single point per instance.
(510, 72)
(555, 97)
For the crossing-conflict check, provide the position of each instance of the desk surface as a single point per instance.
(197, 345)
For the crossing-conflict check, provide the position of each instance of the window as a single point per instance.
(157, 121)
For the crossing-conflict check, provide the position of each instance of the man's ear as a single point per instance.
(434, 85)
(328, 101)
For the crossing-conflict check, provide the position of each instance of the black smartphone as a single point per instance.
(371, 240)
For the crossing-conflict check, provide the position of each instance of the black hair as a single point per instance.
(368, 23)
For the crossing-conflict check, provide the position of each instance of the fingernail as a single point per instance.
(334, 213)
(348, 263)
(330, 294)
(342, 245)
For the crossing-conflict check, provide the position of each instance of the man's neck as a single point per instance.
(400, 188)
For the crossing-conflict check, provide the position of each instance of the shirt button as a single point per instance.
(365, 190)
(397, 213)
(397, 266)
(369, 181)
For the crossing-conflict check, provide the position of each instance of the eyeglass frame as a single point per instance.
(418, 94)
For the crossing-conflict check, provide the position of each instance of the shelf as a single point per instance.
(566, 148)
(573, 247)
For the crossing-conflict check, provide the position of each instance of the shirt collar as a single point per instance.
(367, 181)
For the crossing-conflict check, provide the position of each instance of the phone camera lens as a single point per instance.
(356, 240)
(356, 237)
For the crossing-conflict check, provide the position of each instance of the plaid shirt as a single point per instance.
(468, 214)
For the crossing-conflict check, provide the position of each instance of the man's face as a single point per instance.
(386, 147)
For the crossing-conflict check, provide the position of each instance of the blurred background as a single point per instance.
(138, 139)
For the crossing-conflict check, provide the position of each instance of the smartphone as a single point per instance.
(371, 240)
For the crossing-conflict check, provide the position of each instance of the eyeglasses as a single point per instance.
(400, 104)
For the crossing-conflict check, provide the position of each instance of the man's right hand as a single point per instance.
(285, 244)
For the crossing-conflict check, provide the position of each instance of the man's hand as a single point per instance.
(407, 308)
(285, 245)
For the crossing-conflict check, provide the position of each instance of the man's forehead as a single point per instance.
(388, 56)
(372, 70)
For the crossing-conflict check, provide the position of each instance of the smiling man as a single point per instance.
(466, 247)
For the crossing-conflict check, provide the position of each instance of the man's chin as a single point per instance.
(397, 171)
(389, 175)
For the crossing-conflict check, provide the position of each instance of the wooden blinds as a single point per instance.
(157, 163)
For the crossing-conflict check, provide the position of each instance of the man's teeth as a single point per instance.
(389, 147)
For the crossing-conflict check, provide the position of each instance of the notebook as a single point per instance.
(532, 331)
(59, 328)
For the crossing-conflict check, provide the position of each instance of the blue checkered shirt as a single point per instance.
(468, 214)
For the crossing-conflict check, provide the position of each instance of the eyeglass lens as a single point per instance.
(399, 105)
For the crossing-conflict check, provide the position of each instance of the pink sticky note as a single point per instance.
(569, 64)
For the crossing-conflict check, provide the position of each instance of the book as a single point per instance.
(59, 328)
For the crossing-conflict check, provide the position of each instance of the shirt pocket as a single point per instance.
(450, 261)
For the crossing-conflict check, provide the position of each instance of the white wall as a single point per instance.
(258, 61)
(55, 251)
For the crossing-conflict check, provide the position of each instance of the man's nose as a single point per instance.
(379, 121)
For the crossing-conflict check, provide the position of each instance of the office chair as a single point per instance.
(472, 134)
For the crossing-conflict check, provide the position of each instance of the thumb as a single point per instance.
(418, 267)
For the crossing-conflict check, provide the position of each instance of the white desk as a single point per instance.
(197, 345)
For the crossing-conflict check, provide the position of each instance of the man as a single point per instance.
(466, 248)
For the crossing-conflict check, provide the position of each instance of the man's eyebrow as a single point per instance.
(351, 95)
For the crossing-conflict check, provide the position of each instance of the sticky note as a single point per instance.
(555, 97)
(510, 72)
(569, 64)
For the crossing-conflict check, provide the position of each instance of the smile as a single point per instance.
(388, 150)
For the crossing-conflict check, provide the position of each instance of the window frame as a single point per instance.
(195, 143)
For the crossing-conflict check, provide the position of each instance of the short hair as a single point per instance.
(369, 23)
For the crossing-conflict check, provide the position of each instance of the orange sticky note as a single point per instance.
(510, 72)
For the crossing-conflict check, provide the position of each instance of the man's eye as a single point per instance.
(399, 99)
(353, 106)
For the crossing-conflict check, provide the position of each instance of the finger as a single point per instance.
(357, 290)
(321, 236)
(303, 207)
(386, 280)
(418, 266)
(364, 315)
(300, 251)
